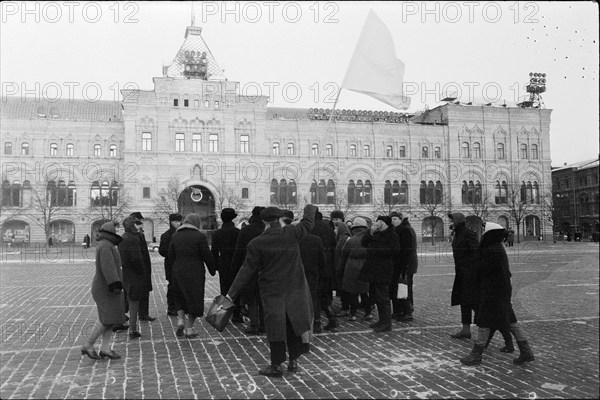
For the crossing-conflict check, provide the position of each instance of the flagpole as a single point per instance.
(334, 104)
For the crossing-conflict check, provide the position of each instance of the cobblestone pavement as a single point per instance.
(46, 309)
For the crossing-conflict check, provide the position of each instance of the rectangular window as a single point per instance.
(175, 102)
(438, 152)
(213, 143)
(244, 193)
(8, 148)
(196, 142)
(216, 104)
(196, 103)
(290, 149)
(402, 151)
(146, 141)
(146, 193)
(206, 104)
(179, 142)
(244, 144)
(112, 152)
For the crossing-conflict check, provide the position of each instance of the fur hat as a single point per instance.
(110, 227)
(386, 219)
(359, 222)
(175, 217)
(396, 214)
(256, 210)
(337, 214)
(137, 215)
(271, 214)
(228, 214)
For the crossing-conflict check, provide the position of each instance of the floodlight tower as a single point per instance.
(537, 86)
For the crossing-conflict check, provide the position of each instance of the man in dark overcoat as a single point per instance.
(223, 246)
(494, 309)
(327, 236)
(144, 311)
(464, 293)
(163, 250)
(275, 256)
(408, 263)
(383, 250)
(250, 294)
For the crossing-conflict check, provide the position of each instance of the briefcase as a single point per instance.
(220, 312)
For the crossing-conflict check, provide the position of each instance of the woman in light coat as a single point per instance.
(107, 289)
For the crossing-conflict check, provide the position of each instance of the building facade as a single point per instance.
(194, 144)
(575, 194)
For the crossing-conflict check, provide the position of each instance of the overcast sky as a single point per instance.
(484, 50)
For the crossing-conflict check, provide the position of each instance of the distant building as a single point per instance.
(195, 134)
(576, 199)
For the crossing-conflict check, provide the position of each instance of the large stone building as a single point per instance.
(575, 197)
(195, 144)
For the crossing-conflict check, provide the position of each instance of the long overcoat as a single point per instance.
(383, 251)
(249, 232)
(408, 247)
(163, 250)
(493, 282)
(189, 252)
(312, 253)
(111, 310)
(351, 263)
(147, 261)
(464, 249)
(134, 268)
(324, 231)
(283, 288)
(223, 246)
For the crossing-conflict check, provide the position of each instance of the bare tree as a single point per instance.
(166, 201)
(383, 207)
(432, 204)
(111, 205)
(518, 207)
(341, 203)
(226, 197)
(46, 204)
(480, 206)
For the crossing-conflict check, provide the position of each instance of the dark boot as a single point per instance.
(271, 371)
(332, 324)
(526, 353)
(475, 357)
(317, 327)
(508, 343)
(376, 324)
(293, 365)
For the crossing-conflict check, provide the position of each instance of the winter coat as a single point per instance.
(351, 263)
(223, 246)
(134, 268)
(312, 254)
(343, 234)
(249, 232)
(324, 231)
(163, 250)
(147, 261)
(189, 252)
(408, 247)
(383, 251)
(275, 255)
(111, 310)
(493, 283)
(464, 250)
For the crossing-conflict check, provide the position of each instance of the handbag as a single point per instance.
(402, 291)
(220, 312)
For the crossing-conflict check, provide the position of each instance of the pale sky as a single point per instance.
(486, 50)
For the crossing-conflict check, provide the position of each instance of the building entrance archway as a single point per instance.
(199, 200)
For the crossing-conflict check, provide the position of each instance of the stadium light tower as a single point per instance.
(535, 88)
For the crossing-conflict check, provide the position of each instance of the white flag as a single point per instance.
(374, 69)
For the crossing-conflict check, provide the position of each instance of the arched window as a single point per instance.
(524, 193)
(275, 149)
(359, 194)
(476, 150)
(402, 151)
(501, 192)
(61, 193)
(70, 149)
(471, 192)
(16, 194)
(330, 192)
(313, 192)
(395, 192)
(368, 189)
(292, 192)
(112, 151)
(24, 149)
(534, 152)
(8, 148)
(423, 193)
(389, 151)
(97, 150)
(213, 143)
(180, 142)
(351, 192)
(465, 150)
(437, 152)
(51, 195)
(54, 149)
(71, 194)
(282, 192)
(114, 193)
(536, 193)
(274, 192)
(95, 194)
(352, 150)
(425, 152)
(439, 192)
(244, 144)
(146, 141)
(529, 192)
(464, 192)
(366, 150)
(314, 150)
(387, 193)
(196, 142)
(322, 192)
(524, 151)
(477, 198)
(403, 193)
(500, 151)
(329, 150)
(290, 149)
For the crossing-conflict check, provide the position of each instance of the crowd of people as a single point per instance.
(282, 275)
